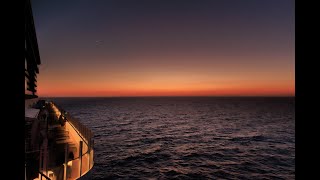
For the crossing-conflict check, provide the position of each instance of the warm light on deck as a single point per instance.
(70, 163)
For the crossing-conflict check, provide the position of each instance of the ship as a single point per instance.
(57, 145)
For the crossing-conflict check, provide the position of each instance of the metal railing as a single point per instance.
(85, 159)
(82, 130)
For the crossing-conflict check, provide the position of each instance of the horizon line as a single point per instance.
(262, 96)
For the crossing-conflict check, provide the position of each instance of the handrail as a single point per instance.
(84, 133)
(83, 130)
(77, 130)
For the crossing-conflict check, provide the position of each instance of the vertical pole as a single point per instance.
(48, 160)
(40, 163)
(65, 162)
(46, 143)
(92, 145)
(80, 155)
(45, 162)
(89, 150)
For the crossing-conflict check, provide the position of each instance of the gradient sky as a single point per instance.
(165, 47)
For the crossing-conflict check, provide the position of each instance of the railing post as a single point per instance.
(65, 162)
(40, 163)
(92, 145)
(80, 156)
(89, 152)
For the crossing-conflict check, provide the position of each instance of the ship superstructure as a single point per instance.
(57, 145)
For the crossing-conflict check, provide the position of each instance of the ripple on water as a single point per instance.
(189, 138)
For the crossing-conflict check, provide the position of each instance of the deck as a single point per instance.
(68, 152)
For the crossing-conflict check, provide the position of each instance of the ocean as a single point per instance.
(189, 137)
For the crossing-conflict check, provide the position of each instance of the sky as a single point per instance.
(165, 47)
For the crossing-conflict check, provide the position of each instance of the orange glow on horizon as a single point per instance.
(236, 91)
(101, 80)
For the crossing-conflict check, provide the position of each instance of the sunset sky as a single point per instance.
(165, 47)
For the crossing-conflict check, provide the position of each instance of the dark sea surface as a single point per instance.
(189, 137)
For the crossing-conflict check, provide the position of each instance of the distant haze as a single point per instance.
(165, 48)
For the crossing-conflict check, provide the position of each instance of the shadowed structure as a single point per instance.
(32, 56)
